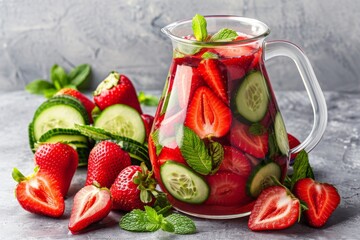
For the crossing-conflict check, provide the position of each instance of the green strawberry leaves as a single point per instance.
(59, 79)
(150, 220)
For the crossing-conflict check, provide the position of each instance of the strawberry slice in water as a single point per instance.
(207, 115)
(235, 161)
(227, 188)
(214, 74)
(237, 67)
(242, 138)
(172, 154)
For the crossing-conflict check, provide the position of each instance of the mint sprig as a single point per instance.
(199, 26)
(301, 168)
(224, 35)
(59, 79)
(147, 99)
(150, 220)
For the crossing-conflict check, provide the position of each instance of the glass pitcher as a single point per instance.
(218, 132)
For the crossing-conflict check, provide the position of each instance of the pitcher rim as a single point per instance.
(167, 30)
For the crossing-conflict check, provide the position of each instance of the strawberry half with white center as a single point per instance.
(275, 208)
(116, 88)
(58, 160)
(235, 161)
(241, 137)
(207, 115)
(39, 193)
(106, 160)
(91, 204)
(133, 188)
(321, 199)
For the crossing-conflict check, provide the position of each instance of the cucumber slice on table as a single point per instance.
(251, 99)
(259, 174)
(120, 119)
(63, 135)
(281, 134)
(183, 183)
(57, 113)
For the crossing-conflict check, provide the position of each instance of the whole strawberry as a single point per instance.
(58, 160)
(116, 88)
(88, 104)
(133, 188)
(91, 204)
(39, 193)
(106, 160)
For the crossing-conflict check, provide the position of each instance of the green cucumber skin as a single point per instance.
(62, 131)
(260, 167)
(234, 106)
(281, 134)
(31, 135)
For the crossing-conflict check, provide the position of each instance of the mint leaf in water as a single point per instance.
(182, 224)
(194, 150)
(301, 168)
(209, 55)
(199, 27)
(224, 35)
(216, 152)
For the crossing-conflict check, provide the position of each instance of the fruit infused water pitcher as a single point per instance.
(218, 134)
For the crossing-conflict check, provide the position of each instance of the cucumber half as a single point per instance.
(251, 99)
(122, 120)
(281, 134)
(259, 174)
(183, 183)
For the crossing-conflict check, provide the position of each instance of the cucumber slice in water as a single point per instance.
(251, 98)
(259, 174)
(281, 134)
(122, 120)
(183, 183)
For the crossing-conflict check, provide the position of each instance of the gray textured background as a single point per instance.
(125, 36)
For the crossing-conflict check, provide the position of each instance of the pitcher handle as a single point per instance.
(317, 99)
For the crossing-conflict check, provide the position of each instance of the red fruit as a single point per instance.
(116, 88)
(237, 51)
(227, 189)
(172, 154)
(88, 104)
(237, 67)
(39, 193)
(213, 72)
(106, 160)
(235, 161)
(240, 137)
(187, 81)
(321, 199)
(126, 191)
(58, 160)
(293, 142)
(91, 204)
(148, 122)
(207, 115)
(275, 208)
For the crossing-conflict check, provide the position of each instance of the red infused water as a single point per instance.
(218, 134)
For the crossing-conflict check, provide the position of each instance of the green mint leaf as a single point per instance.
(216, 151)
(273, 147)
(58, 76)
(80, 75)
(155, 139)
(167, 226)
(151, 214)
(199, 27)
(48, 93)
(186, 49)
(224, 35)
(148, 100)
(135, 221)
(194, 150)
(38, 86)
(257, 129)
(162, 204)
(209, 55)
(301, 168)
(182, 224)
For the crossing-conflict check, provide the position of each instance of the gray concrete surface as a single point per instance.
(125, 36)
(335, 160)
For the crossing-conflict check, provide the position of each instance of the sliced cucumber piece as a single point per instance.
(251, 98)
(122, 120)
(32, 139)
(281, 134)
(259, 174)
(63, 135)
(57, 114)
(183, 183)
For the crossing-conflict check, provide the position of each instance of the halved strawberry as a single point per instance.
(275, 208)
(321, 199)
(207, 115)
(214, 74)
(172, 154)
(227, 189)
(237, 67)
(237, 51)
(241, 137)
(187, 81)
(235, 161)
